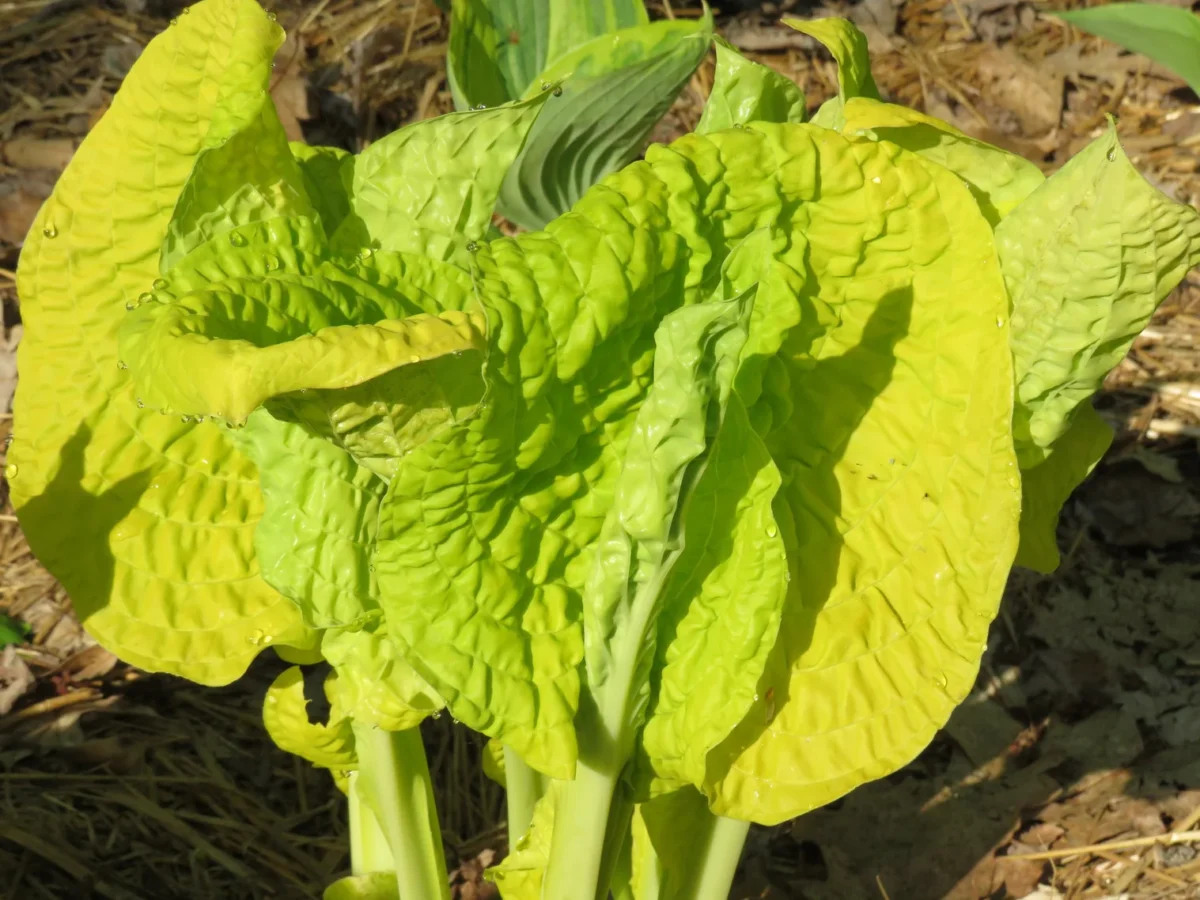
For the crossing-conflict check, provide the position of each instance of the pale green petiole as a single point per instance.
(711, 876)
(369, 850)
(524, 786)
(393, 784)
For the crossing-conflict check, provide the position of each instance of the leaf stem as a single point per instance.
(369, 850)
(394, 780)
(712, 876)
(523, 787)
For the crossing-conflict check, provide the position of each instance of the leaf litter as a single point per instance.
(1073, 771)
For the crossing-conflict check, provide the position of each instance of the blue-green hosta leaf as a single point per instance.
(285, 713)
(615, 88)
(745, 91)
(848, 46)
(999, 180)
(1168, 35)
(496, 48)
(157, 553)
(575, 22)
(430, 187)
(1046, 486)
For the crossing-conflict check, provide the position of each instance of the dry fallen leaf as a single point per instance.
(1030, 94)
(289, 88)
(15, 678)
(34, 153)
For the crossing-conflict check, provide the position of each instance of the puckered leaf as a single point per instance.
(999, 180)
(519, 875)
(900, 491)
(614, 89)
(1087, 258)
(157, 552)
(430, 188)
(323, 169)
(1046, 486)
(248, 343)
(285, 713)
(745, 91)
(499, 516)
(848, 46)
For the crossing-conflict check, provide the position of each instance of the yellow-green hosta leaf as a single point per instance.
(493, 762)
(724, 599)
(285, 713)
(614, 90)
(999, 180)
(245, 173)
(157, 552)
(368, 886)
(721, 606)
(745, 91)
(519, 875)
(323, 170)
(430, 187)
(1087, 259)
(848, 46)
(900, 492)
(1046, 486)
(378, 686)
(243, 338)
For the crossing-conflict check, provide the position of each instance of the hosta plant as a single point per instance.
(698, 502)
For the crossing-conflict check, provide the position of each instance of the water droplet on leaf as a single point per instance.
(772, 531)
(141, 404)
(121, 364)
(185, 419)
(472, 246)
(10, 471)
(256, 637)
(237, 239)
(545, 85)
(1112, 154)
(366, 253)
(940, 679)
(50, 230)
(558, 91)
(270, 262)
(160, 284)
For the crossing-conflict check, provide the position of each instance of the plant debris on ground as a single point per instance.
(1073, 771)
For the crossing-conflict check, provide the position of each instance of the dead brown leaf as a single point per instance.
(289, 88)
(1032, 95)
(33, 153)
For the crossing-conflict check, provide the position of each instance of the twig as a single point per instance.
(882, 889)
(1173, 837)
